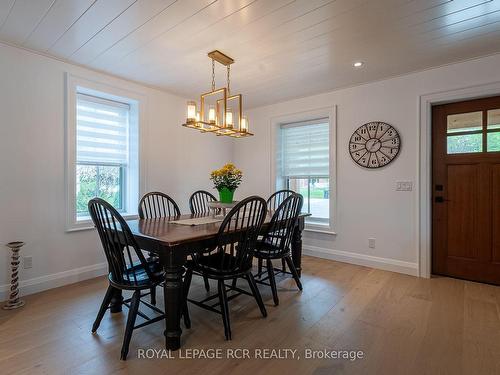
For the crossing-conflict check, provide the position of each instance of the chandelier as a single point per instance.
(220, 113)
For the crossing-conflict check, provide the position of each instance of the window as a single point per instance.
(102, 133)
(102, 153)
(467, 132)
(304, 166)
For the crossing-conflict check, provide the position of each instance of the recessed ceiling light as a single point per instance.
(358, 64)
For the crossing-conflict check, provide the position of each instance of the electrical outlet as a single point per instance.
(371, 243)
(404, 185)
(27, 262)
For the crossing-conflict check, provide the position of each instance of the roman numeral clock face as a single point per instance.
(374, 145)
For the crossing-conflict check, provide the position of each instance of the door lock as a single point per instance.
(440, 200)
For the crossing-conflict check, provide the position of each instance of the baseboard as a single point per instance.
(387, 264)
(55, 280)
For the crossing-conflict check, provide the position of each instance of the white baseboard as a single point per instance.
(55, 280)
(362, 260)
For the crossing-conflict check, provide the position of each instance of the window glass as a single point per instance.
(493, 119)
(494, 141)
(465, 133)
(458, 144)
(465, 122)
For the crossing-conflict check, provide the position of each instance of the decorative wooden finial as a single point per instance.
(14, 302)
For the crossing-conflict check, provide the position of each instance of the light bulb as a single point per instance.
(211, 114)
(229, 118)
(244, 124)
(191, 111)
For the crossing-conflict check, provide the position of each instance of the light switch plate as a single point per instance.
(27, 262)
(371, 243)
(404, 185)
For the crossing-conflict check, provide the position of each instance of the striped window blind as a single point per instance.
(305, 149)
(102, 131)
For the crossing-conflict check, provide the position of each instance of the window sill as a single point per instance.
(320, 230)
(86, 223)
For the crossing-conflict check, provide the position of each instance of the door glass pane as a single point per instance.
(494, 141)
(465, 143)
(493, 119)
(464, 122)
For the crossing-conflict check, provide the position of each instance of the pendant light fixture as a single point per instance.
(220, 112)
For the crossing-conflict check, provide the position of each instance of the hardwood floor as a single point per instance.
(403, 324)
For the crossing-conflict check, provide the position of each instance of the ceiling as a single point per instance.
(283, 48)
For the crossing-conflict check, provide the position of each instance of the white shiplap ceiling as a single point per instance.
(283, 48)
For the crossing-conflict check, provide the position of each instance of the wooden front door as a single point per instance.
(466, 190)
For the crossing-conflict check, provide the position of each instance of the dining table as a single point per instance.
(173, 243)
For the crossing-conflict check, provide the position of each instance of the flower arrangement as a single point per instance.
(226, 180)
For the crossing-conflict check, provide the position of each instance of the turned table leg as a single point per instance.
(172, 293)
(297, 245)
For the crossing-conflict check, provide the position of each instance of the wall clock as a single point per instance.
(374, 145)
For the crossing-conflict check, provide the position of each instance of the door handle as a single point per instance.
(440, 200)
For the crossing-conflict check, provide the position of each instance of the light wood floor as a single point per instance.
(404, 325)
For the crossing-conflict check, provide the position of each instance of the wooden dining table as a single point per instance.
(173, 243)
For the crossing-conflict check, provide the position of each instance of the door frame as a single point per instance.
(424, 162)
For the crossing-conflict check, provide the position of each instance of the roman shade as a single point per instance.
(305, 149)
(102, 130)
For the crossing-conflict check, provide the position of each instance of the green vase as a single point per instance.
(226, 195)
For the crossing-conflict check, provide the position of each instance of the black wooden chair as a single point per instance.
(275, 243)
(272, 204)
(156, 205)
(277, 198)
(198, 202)
(232, 258)
(120, 249)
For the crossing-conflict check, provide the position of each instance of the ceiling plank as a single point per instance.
(59, 19)
(176, 14)
(102, 13)
(131, 20)
(24, 16)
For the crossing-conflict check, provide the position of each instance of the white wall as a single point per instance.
(178, 161)
(32, 206)
(367, 203)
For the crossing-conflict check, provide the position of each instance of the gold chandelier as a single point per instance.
(220, 112)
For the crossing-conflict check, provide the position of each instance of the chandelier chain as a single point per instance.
(228, 79)
(213, 75)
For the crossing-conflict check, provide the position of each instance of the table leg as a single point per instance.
(297, 247)
(115, 306)
(172, 292)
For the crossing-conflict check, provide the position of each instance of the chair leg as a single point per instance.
(132, 314)
(259, 268)
(224, 309)
(207, 285)
(283, 265)
(185, 289)
(233, 285)
(294, 272)
(255, 291)
(103, 308)
(153, 295)
(272, 281)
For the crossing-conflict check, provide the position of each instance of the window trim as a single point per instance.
(135, 99)
(329, 112)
